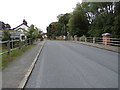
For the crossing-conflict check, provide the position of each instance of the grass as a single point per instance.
(5, 59)
(3, 50)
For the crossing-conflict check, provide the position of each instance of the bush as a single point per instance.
(6, 35)
(82, 38)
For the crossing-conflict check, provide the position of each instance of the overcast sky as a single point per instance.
(38, 12)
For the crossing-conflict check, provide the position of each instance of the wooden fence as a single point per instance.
(98, 40)
(8, 46)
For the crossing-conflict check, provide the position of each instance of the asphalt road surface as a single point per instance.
(71, 65)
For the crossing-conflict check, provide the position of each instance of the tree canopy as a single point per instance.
(78, 23)
(89, 19)
(6, 35)
(32, 32)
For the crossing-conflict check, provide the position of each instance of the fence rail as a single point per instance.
(105, 41)
(9, 46)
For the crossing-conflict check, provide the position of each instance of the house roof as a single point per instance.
(24, 23)
(4, 26)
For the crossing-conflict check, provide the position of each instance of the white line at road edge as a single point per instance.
(27, 75)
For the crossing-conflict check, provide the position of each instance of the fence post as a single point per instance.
(12, 43)
(29, 41)
(8, 47)
(19, 44)
(26, 42)
(94, 40)
(85, 39)
(32, 41)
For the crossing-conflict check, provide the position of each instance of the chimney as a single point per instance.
(25, 22)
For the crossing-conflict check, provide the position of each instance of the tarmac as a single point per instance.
(107, 47)
(16, 70)
(64, 64)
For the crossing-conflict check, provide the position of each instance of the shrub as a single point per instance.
(82, 38)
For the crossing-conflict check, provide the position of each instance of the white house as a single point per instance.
(17, 32)
(20, 29)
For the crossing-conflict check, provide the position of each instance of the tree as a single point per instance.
(104, 18)
(116, 24)
(63, 19)
(49, 31)
(89, 19)
(36, 32)
(52, 30)
(59, 29)
(32, 32)
(6, 35)
(78, 23)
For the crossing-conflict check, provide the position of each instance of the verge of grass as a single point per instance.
(13, 55)
(3, 50)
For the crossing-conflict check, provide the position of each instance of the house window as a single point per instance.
(22, 37)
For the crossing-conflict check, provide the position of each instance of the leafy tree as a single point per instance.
(59, 29)
(78, 23)
(36, 32)
(63, 20)
(89, 19)
(32, 32)
(103, 18)
(54, 29)
(116, 24)
(49, 31)
(6, 35)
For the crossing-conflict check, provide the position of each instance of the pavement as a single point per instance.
(64, 64)
(107, 47)
(16, 70)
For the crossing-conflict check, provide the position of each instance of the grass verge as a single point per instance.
(5, 60)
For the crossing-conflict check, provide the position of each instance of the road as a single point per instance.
(71, 65)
